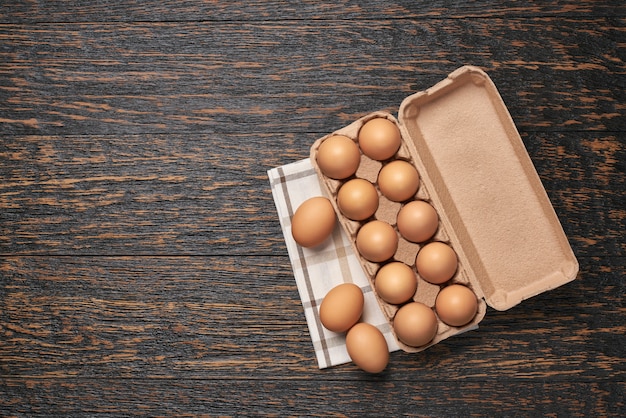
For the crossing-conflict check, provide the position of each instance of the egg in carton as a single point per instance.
(406, 252)
(493, 211)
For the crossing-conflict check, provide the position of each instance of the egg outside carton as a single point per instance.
(387, 211)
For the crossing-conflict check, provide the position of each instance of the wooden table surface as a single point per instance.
(142, 266)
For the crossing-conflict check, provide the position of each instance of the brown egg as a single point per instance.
(313, 222)
(357, 199)
(377, 241)
(436, 262)
(379, 139)
(415, 324)
(417, 221)
(342, 307)
(398, 181)
(456, 305)
(367, 347)
(338, 157)
(395, 282)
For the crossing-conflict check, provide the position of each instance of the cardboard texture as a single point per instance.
(475, 171)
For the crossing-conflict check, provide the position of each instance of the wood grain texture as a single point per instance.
(189, 10)
(374, 397)
(209, 194)
(143, 271)
(240, 317)
(299, 76)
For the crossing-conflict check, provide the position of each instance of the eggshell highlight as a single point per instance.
(357, 199)
(456, 305)
(417, 221)
(395, 282)
(379, 138)
(436, 262)
(338, 157)
(415, 324)
(367, 348)
(342, 307)
(313, 222)
(398, 181)
(377, 241)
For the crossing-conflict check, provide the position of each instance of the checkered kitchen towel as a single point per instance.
(318, 270)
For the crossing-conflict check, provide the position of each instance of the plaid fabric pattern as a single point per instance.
(318, 270)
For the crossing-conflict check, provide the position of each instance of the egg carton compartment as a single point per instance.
(474, 170)
(387, 211)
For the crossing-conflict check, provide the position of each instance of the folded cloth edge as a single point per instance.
(318, 270)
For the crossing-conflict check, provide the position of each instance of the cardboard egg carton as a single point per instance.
(475, 171)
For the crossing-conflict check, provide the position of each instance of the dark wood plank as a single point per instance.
(573, 170)
(209, 194)
(299, 77)
(81, 10)
(363, 397)
(142, 268)
(141, 194)
(241, 317)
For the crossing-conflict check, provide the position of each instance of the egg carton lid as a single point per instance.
(498, 212)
